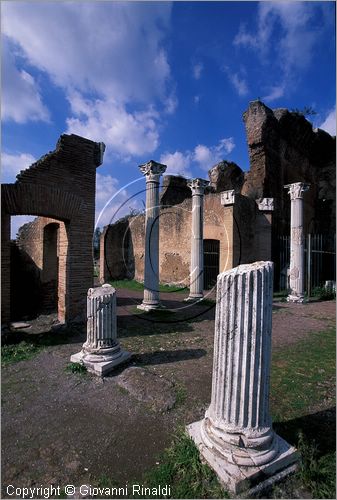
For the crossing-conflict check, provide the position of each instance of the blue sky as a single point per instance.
(167, 81)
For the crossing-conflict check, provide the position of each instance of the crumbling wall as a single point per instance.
(61, 186)
(284, 148)
(226, 176)
(235, 227)
(35, 268)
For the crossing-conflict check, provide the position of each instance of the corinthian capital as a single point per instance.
(152, 170)
(197, 186)
(297, 189)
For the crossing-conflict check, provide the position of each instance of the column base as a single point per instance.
(100, 368)
(248, 479)
(150, 307)
(299, 299)
(194, 298)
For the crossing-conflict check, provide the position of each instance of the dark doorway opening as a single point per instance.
(211, 262)
(50, 270)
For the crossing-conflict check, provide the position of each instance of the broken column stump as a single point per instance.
(101, 352)
(236, 437)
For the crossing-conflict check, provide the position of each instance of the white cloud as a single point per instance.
(11, 164)
(274, 93)
(226, 145)
(196, 99)
(329, 124)
(284, 34)
(112, 48)
(197, 70)
(206, 156)
(21, 98)
(171, 104)
(125, 134)
(240, 84)
(177, 163)
(108, 57)
(112, 201)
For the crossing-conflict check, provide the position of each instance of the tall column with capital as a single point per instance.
(152, 171)
(296, 274)
(197, 187)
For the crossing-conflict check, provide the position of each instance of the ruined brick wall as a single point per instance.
(35, 267)
(61, 186)
(284, 148)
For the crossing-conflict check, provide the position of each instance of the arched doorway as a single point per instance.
(211, 262)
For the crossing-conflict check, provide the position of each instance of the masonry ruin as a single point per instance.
(50, 266)
(283, 149)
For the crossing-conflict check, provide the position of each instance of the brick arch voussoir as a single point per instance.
(39, 200)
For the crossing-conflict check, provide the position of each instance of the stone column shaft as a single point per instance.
(236, 437)
(197, 187)
(101, 320)
(296, 275)
(240, 385)
(101, 352)
(152, 172)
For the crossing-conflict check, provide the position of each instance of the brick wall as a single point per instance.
(60, 186)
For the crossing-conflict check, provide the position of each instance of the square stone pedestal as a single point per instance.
(194, 299)
(238, 479)
(100, 368)
(150, 307)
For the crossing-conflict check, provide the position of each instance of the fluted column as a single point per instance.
(296, 274)
(152, 171)
(236, 437)
(197, 187)
(101, 352)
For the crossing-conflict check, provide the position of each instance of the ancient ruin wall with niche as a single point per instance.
(59, 186)
(235, 227)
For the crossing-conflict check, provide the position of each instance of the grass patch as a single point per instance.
(181, 394)
(299, 374)
(302, 382)
(322, 293)
(12, 353)
(76, 368)
(317, 473)
(137, 286)
(180, 467)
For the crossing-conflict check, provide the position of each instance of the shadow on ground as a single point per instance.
(159, 357)
(317, 427)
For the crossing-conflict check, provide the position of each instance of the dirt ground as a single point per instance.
(64, 428)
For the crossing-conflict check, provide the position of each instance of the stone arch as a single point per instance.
(60, 186)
